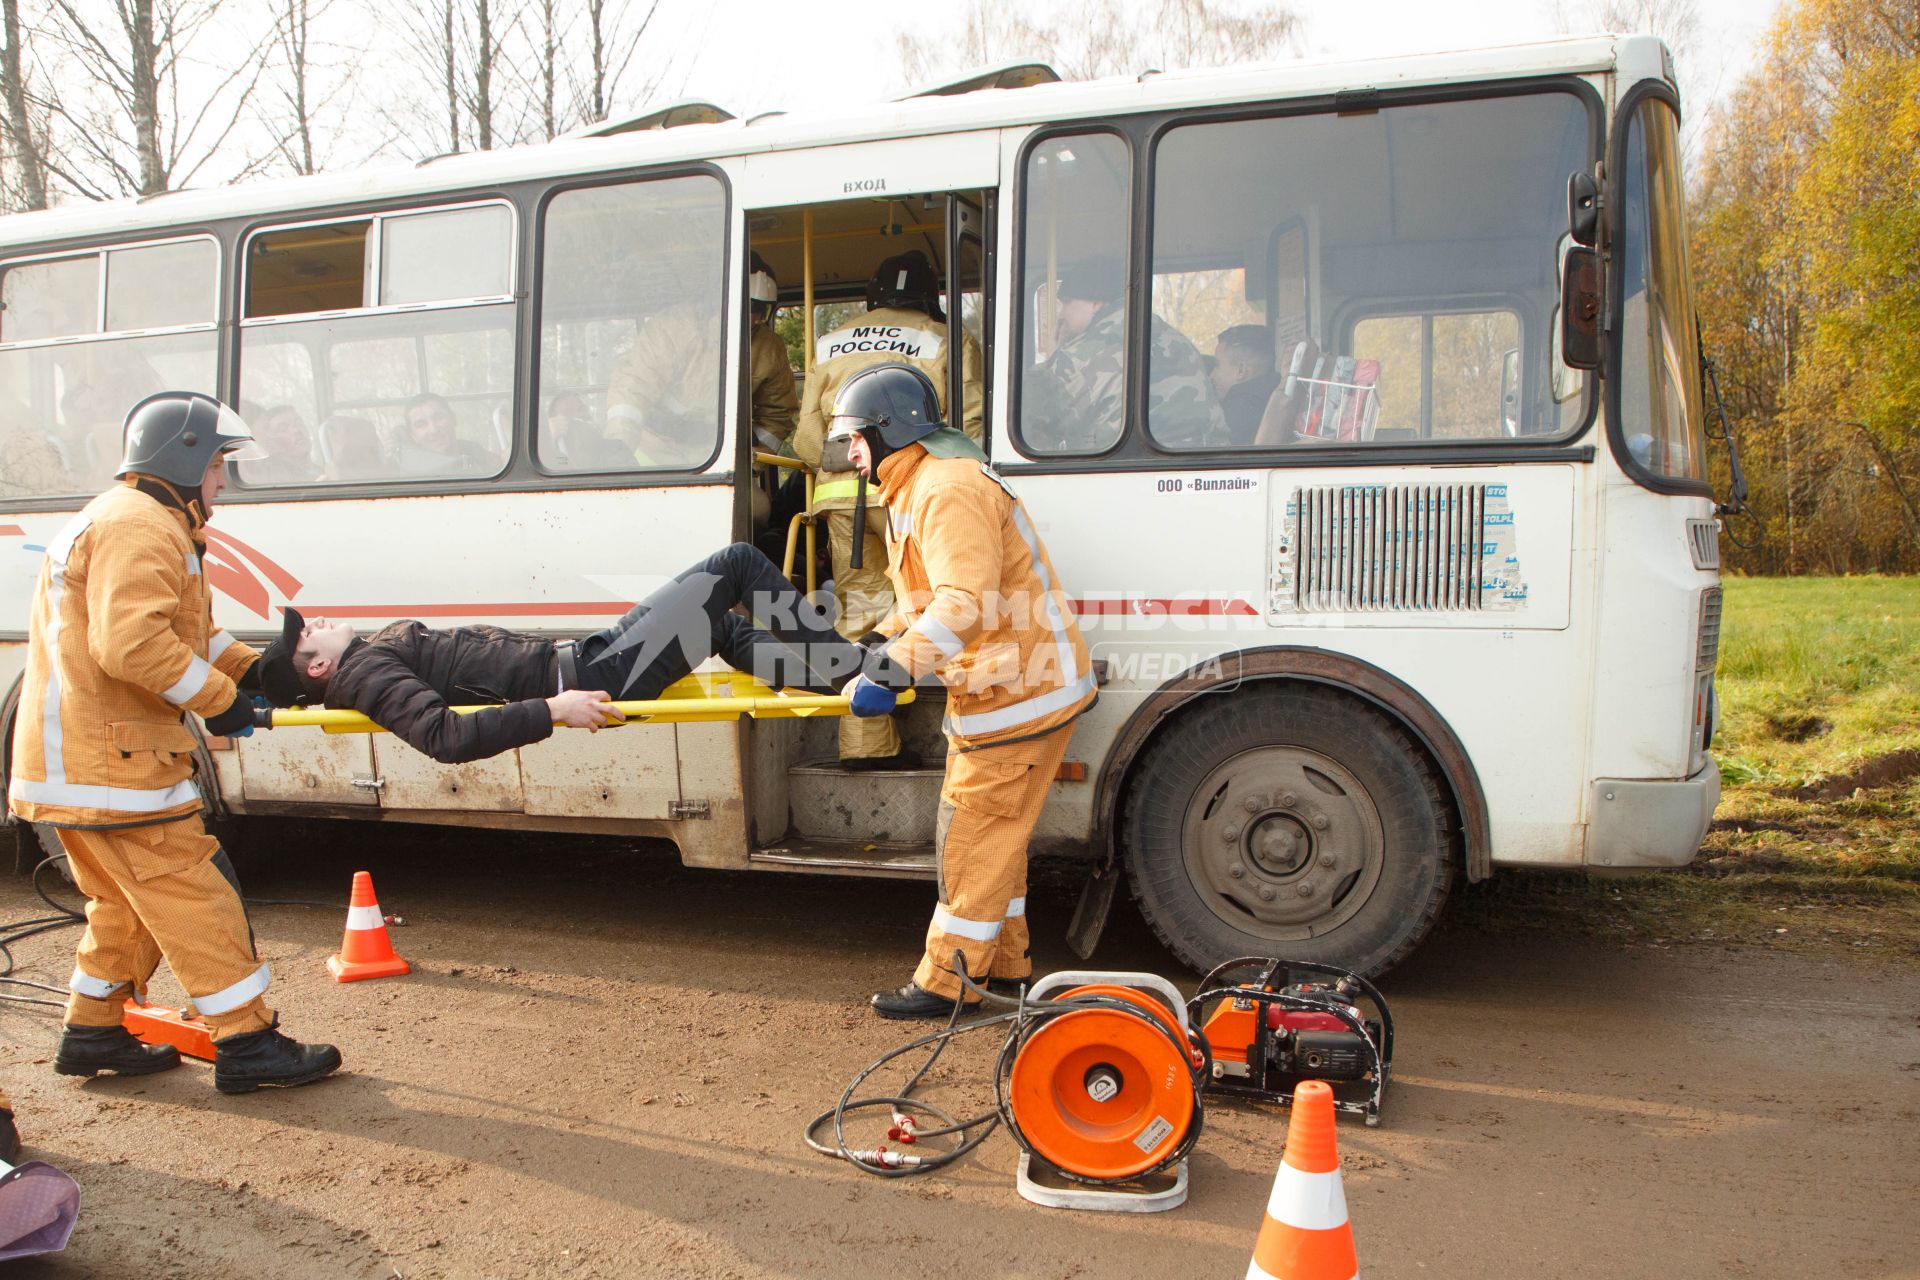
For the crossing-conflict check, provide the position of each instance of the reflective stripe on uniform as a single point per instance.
(1027, 710)
(221, 642)
(189, 685)
(85, 984)
(52, 740)
(961, 927)
(87, 796)
(1016, 908)
(251, 987)
(365, 917)
(939, 635)
(834, 490)
(1063, 643)
(193, 565)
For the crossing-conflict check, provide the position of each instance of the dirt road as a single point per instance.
(602, 1062)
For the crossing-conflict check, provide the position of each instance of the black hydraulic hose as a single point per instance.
(21, 930)
(1022, 1020)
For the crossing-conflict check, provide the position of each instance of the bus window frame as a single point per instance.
(521, 474)
(1630, 102)
(242, 323)
(1135, 450)
(100, 247)
(1532, 332)
(1017, 326)
(100, 251)
(731, 311)
(374, 263)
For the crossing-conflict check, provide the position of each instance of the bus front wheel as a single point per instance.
(1287, 821)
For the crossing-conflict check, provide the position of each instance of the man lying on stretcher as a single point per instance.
(406, 677)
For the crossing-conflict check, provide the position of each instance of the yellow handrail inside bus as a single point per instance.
(698, 698)
(805, 517)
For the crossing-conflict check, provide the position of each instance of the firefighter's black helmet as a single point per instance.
(894, 400)
(175, 434)
(906, 279)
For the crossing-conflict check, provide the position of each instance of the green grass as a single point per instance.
(1816, 841)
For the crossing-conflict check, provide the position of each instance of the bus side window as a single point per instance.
(632, 280)
(83, 337)
(348, 386)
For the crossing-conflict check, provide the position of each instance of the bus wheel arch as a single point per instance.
(1381, 785)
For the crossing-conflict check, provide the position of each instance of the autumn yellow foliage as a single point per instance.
(1806, 253)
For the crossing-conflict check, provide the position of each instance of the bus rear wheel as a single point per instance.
(1288, 821)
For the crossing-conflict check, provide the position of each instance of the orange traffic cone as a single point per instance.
(364, 949)
(1306, 1235)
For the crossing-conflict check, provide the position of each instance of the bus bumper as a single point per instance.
(1636, 823)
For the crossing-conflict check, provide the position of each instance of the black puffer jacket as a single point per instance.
(408, 676)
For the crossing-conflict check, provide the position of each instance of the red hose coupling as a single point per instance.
(903, 1129)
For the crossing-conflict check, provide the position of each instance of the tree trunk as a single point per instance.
(144, 101)
(19, 123)
(453, 81)
(483, 77)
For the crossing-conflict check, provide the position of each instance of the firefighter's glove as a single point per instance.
(869, 698)
(236, 721)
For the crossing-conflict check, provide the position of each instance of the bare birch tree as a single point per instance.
(1094, 38)
(310, 88)
(143, 116)
(26, 185)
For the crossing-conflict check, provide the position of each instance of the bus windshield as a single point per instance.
(1662, 419)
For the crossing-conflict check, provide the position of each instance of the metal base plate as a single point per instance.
(1041, 1185)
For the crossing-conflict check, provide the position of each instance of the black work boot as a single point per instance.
(87, 1051)
(914, 1001)
(9, 1138)
(242, 1064)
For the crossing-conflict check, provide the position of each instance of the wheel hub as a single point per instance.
(1284, 841)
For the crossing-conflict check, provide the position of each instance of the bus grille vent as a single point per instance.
(1393, 547)
(1703, 539)
(1709, 630)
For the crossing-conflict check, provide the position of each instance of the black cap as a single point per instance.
(278, 679)
(1093, 280)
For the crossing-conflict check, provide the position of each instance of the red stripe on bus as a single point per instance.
(1179, 608)
(12, 531)
(562, 608)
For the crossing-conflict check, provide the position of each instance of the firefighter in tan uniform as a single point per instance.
(660, 401)
(903, 325)
(121, 646)
(978, 604)
(774, 403)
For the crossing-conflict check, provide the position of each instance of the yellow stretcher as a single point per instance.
(699, 698)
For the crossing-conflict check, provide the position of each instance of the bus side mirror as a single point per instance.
(1580, 309)
(1583, 208)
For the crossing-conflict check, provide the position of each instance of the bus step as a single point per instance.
(847, 857)
(829, 802)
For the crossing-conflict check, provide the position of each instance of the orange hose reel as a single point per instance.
(1105, 1094)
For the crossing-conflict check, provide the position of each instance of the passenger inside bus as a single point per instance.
(431, 445)
(289, 445)
(1244, 378)
(1075, 399)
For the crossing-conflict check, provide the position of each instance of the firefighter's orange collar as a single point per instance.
(898, 467)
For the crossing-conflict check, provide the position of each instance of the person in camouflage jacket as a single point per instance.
(1075, 401)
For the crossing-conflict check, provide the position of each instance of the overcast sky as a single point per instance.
(763, 54)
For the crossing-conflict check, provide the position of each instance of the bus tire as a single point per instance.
(1290, 821)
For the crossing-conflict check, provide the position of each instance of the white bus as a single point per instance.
(1417, 578)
